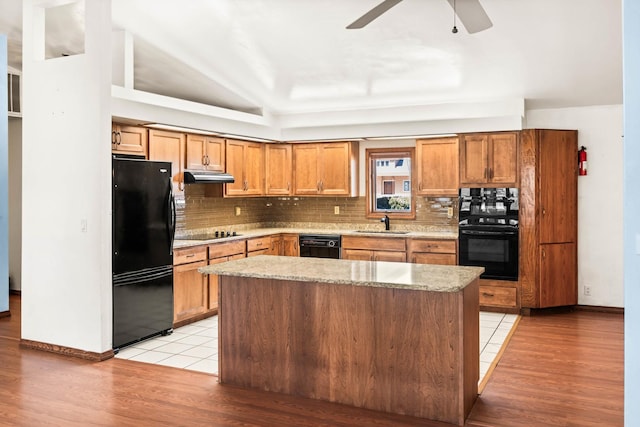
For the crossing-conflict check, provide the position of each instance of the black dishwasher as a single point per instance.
(320, 245)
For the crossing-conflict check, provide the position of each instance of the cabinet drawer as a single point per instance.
(264, 251)
(498, 297)
(259, 243)
(433, 258)
(186, 255)
(218, 250)
(373, 243)
(439, 246)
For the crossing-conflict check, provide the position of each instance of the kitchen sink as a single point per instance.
(382, 231)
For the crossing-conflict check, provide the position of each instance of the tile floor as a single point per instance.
(195, 346)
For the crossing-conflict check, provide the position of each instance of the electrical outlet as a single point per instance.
(83, 225)
(449, 212)
(336, 210)
(238, 211)
(587, 291)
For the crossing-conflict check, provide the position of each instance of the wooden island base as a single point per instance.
(411, 352)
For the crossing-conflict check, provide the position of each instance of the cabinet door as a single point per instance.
(305, 169)
(558, 187)
(558, 275)
(129, 139)
(503, 159)
(195, 152)
(215, 149)
(276, 245)
(390, 256)
(473, 160)
(169, 147)
(235, 166)
(278, 169)
(438, 163)
(334, 168)
(189, 291)
(254, 169)
(357, 254)
(290, 245)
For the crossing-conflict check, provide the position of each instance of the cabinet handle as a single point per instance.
(544, 254)
(208, 160)
(114, 137)
(321, 185)
(486, 294)
(485, 173)
(204, 160)
(288, 186)
(420, 186)
(490, 173)
(544, 211)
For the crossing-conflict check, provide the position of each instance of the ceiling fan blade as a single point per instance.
(472, 15)
(372, 14)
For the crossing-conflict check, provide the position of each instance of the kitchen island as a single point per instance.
(392, 337)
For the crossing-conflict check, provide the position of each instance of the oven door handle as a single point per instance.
(488, 233)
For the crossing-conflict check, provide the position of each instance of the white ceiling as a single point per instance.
(292, 56)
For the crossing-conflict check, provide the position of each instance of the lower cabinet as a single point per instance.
(499, 295)
(189, 286)
(218, 253)
(431, 251)
(290, 245)
(364, 248)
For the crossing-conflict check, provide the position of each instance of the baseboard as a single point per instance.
(600, 309)
(194, 319)
(67, 351)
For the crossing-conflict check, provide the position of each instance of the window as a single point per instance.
(389, 191)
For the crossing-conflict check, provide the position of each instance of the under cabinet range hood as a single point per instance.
(205, 177)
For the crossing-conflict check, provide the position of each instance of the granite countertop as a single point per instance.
(397, 275)
(260, 232)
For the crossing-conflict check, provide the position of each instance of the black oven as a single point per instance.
(320, 245)
(488, 231)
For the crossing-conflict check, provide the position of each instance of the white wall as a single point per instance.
(4, 182)
(599, 198)
(15, 202)
(66, 273)
(631, 211)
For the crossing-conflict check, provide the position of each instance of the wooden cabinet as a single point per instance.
(129, 139)
(325, 169)
(218, 253)
(365, 248)
(189, 286)
(169, 147)
(499, 295)
(278, 166)
(290, 245)
(431, 251)
(259, 246)
(437, 165)
(548, 218)
(245, 161)
(489, 160)
(205, 153)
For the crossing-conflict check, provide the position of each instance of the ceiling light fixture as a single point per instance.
(454, 30)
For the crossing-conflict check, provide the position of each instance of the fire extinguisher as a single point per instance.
(582, 161)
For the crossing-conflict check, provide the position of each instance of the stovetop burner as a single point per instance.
(210, 236)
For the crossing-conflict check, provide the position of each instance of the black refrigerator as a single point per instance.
(143, 232)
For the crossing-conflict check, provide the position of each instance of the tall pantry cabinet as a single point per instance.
(548, 218)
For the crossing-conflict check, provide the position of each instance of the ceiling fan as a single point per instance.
(470, 12)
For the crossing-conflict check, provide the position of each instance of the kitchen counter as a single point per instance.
(391, 337)
(420, 277)
(260, 232)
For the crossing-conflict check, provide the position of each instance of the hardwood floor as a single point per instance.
(558, 370)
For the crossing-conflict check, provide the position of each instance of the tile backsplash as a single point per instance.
(201, 211)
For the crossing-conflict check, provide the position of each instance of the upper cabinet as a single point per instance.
(245, 161)
(129, 139)
(327, 169)
(169, 147)
(489, 160)
(205, 153)
(437, 161)
(278, 162)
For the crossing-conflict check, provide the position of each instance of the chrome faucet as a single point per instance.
(385, 219)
